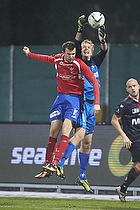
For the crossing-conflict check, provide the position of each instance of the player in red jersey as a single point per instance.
(66, 108)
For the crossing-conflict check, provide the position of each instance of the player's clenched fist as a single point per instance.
(26, 50)
(96, 109)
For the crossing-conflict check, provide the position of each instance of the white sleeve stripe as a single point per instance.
(77, 65)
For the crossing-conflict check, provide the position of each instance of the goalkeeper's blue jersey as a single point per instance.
(88, 88)
(94, 65)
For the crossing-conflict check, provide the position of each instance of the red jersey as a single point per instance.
(69, 75)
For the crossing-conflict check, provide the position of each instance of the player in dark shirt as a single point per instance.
(129, 112)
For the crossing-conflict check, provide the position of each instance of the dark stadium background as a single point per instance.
(45, 22)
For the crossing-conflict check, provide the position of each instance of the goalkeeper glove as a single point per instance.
(102, 34)
(81, 23)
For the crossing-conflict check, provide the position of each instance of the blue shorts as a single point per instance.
(90, 118)
(86, 118)
(81, 121)
(66, 106)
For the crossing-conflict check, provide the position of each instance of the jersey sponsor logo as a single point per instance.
(136, 121)
(66, 77)
(65, 64)
(96, 74)
(54, 114)
(134, 111)
(30, 155)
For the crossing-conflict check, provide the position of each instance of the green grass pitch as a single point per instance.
(14, 203)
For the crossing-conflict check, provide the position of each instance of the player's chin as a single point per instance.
(86, 57)
(71, 60)
(134, 95)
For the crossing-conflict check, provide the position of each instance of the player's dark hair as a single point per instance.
(69, 45)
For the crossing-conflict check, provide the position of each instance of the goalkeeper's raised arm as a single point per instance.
(102, 36)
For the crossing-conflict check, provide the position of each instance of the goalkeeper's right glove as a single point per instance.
(81, 23)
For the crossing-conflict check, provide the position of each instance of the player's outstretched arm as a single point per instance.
(26, 50)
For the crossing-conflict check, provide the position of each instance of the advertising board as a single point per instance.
(22, 155)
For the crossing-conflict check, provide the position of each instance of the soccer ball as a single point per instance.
(96, 19)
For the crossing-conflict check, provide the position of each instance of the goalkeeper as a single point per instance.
(85, 51)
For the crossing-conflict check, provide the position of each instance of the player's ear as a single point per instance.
(127, 89)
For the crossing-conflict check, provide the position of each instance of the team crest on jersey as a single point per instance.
(71, 69)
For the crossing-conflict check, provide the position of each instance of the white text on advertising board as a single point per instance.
(30, 155)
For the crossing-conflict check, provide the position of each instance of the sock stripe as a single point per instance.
(137, 171)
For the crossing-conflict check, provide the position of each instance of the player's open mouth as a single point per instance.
(86, 52)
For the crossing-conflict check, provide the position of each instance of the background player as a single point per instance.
(129, 112)
(85, 52)
(65, 109)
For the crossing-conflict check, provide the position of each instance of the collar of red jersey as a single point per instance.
(133, 99)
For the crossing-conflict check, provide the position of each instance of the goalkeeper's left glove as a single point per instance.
(81, 23)
(102, 34)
